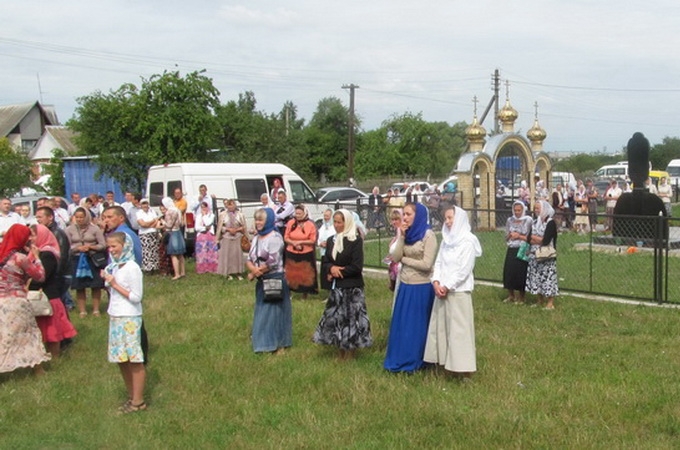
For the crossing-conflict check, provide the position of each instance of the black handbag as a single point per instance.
(99, 259)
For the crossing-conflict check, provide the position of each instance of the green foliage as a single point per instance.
(408, 145)
(587, 375)
(326, 140)
(661, 154)
(15, 169)
(55, 169)
(168, 119)
(585, 164)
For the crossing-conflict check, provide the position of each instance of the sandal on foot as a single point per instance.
(82, 315)
(128, 407)
(96, 314)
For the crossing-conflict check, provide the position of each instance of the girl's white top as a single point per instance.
(131, 279)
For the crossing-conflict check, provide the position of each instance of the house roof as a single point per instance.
(55, 136)
(12, 115)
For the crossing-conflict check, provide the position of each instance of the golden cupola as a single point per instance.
(475, 133)
(536, 134)
(507, 114)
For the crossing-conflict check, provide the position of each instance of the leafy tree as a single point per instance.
(326, 139)
(15, 169)
(661, 154)
(168, 119)
(408, 145)
(55, 169)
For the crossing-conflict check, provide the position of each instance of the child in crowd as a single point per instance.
(125, 282)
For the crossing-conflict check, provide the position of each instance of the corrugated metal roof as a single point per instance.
(12, 115)
(55, 136)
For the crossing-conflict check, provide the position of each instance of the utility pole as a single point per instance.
(350, 143)
(496, 78)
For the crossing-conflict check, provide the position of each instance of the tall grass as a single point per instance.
(587, 375)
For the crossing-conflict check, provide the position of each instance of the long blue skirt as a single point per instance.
(408, 329)
(273, 322)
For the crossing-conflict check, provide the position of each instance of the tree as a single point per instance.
(661, 154)
(15, 169)
(168, 119)
(326, 139)
(55, 169)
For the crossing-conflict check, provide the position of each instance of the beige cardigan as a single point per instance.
(417, 260)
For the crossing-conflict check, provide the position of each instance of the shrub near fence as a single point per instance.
(617, 267)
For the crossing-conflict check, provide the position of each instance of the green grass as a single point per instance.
(587, 375)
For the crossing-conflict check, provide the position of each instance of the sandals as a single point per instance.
(82, 315)
(128, 407)
(96, 314)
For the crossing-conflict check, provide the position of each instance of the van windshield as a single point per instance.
(673, 171)
(301, 193)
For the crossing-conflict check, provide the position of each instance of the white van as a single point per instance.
(673, 170)
(564, 178)
(618, 171)
(243, 182)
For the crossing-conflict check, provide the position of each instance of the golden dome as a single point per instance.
(507, 114)
(475, 132)
(536, 133)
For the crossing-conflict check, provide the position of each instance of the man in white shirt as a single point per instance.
(203, 197)
(75, 203)
(7, 216)
(284, 212)
(128, 203)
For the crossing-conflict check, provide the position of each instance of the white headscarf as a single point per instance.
(350, 232)
(169, 204)
(547, 211)
(460, 232)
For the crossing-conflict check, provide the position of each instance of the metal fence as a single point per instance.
(639, 266)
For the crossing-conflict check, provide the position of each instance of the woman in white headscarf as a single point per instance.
(175, 246)
(451, 333)
(542, 275)
(517, 228)
(345, 322)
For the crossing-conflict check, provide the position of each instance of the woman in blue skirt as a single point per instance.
(416, 249)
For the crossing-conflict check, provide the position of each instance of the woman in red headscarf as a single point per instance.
(20, 340)
(57, 327)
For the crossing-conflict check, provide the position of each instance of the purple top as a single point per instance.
(267, 250)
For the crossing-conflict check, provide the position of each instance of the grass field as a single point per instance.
(587, 375)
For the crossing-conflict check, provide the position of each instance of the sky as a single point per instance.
(598, 70)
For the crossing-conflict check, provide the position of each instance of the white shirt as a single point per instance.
(454, 265)
(205, 223)
(325, 231)
(131, 279)
(146, 217)
(7, 221)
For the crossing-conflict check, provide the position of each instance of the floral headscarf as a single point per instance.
(128, 254)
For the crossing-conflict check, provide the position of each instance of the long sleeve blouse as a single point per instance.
(18, 269)
(416, 259)
(129, 277)
(92, 235)
(454, 267)
(267, 250)
(351, 259)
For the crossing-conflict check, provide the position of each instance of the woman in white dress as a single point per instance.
(451, 334)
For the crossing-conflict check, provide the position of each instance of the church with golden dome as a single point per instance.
(492, 163)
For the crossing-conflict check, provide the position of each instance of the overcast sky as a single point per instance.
(599, 70)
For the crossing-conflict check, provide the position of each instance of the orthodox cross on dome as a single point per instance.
(507, 90)
(536, 110)
(475, 101)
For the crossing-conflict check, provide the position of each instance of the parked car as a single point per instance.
(424, 185)
(344, 195)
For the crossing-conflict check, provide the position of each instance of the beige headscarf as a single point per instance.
(350, 232)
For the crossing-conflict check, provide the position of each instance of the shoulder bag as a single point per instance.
(545, 253)
(99, 258)
(40, 304)
(245, 243)
(272, 287)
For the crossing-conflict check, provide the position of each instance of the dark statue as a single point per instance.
(640, 202)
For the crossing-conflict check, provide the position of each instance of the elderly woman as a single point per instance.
(273, 319)
(148, 222)
(206, 245)
(517, 228)
(231, 225)
(451, 334)
(20, 340)
(665, 192)
(326, 230)
(416, 250)
(57, 327)
(542, 274)
(344, 323)
(175, 246)
(300, 258)
(85, 238)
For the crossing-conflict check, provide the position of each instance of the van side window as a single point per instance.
(172, 185)
(301, 193)
(250, 190)
(155, 193)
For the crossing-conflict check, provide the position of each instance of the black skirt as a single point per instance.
(514, 271)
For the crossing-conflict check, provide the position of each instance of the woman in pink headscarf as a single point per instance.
(57, 327)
